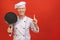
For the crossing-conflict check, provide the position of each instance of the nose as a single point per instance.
(21, 9)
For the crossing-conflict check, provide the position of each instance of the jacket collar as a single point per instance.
(24, 19)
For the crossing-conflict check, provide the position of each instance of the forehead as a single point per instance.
(22, 7)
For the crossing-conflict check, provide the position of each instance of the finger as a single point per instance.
(34, 16)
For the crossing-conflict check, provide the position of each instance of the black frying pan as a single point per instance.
(10, 18)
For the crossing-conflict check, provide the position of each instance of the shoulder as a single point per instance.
(29, 19)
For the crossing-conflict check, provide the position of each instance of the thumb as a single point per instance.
(34, 16)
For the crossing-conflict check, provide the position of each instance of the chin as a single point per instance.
(21, 15)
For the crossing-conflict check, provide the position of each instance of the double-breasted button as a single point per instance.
(24, 21)
(16, 35)
(24, 35)
(16, 28)
(23, 28)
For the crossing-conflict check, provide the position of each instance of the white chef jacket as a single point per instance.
(21, 28)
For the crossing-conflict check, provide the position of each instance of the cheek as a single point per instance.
(18, 10)
(24, 9)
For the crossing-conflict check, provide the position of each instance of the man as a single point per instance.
(23, 24)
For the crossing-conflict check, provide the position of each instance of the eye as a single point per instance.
(19, 8)
(23, 8)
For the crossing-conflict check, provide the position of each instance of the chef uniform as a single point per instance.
(22, 26)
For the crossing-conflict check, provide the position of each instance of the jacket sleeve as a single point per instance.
(33, 28)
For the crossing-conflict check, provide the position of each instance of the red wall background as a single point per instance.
(47, 12)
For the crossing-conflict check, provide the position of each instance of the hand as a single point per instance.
(34, 20)
(9, 30)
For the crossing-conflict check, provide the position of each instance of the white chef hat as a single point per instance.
(22, 3)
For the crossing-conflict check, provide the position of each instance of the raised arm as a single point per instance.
(34, 25)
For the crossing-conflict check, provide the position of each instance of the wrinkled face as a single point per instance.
(21, 10)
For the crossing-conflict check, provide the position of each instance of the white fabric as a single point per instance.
(20, 4)
(21, 29)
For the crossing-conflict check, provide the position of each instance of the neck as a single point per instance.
(21, 16)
